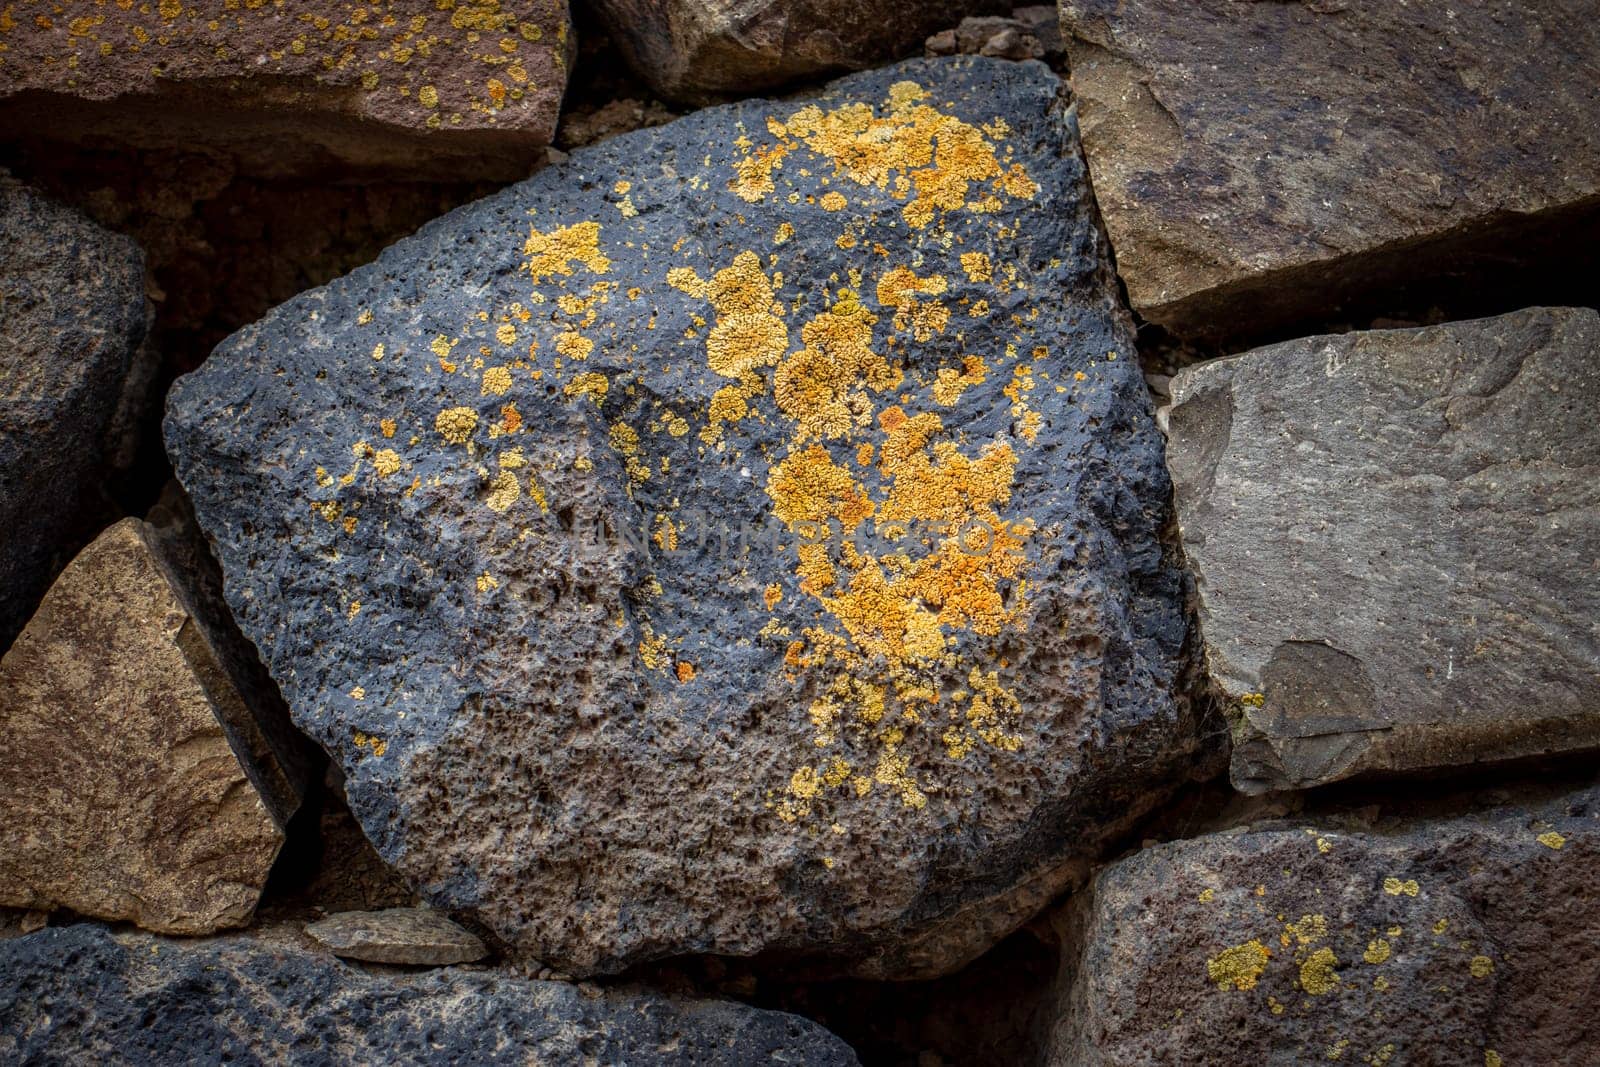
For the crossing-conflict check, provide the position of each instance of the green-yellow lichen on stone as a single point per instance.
(1239, 967)
(1551, 839)
(1318, 974)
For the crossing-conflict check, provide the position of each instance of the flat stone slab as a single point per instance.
(1260, 163)
(72, 315)
(74, 991)
(447, 90)
(138, 784)
(743, 537)
(1472, 939)
(397, 935)
(1396, 536)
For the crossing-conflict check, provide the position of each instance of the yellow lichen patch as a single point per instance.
(554, 253)
(833, 201)
(823, 386)
(1309, 930)
(625, 442)
(977, 266)
(951, 383)
(686, 280)
(487, 582)
(386, 461)
(591, 384)
(1395, 887)
(1377, 951)
(1481, 967)
(573, 345)
(455, 425)
(902, 290)
(1551, 839)
(747, 334)
(376, 745)
(496, 381)
(1491, 1058)
(1240, 966)
(503, 492)
(506, 333)
(771, 595)
(784, 233)
(1318, 974)
(386, 427)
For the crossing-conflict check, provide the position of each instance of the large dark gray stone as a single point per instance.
(1396, 536)
(76, 994)
(888, 749)
(1401, 939)
(72, 314)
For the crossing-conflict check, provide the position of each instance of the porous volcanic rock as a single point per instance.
(72, 315)
(744, 537)
(424, 88)
(701, 50)
(1396, 536)
(77, 992)
(1261, 163)
(1465, 940)
(397, 935)
(137, 781)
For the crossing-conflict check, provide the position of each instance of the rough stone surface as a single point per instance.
(1260, 162)
(724, 727)
(126, 719)
(1396, 536)
(76, 993)
(397, 935)
(1027, 33)
(1467, 940)
(448, 90)
(701, 50)
(72, 315)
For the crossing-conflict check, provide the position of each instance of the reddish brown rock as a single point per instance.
(450, 89)
(702, 50)
(1262, 162)
(137, 781)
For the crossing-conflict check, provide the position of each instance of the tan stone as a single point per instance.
(397, 935)
(121, 794)
(466, 89)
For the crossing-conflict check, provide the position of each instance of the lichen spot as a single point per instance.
(747, 334)
(1551, 839)
(772, 595)
(386, 461)
(1481, 966)
(554, 252)
(1240, 966)
(1377, 952)
(833, 201)
(591, 384)
(977, 266)
(1395, 887)
(503, 492)
(1318, 974)
(496, 381)
(455, 425)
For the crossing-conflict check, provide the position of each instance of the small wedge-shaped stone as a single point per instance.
(1260, 163)
(1397, 540)
(77, 994)
(1409, 939)
(126, 717)
(397, 935)
(744, 537)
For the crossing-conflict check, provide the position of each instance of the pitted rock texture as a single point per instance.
(121, 781)
(1259, 163)
(744, 537)
(438, 88)
(397, 935)
(72, 316)
(702, 50)
(1396, 536)
(76, 993)
(1468, 940)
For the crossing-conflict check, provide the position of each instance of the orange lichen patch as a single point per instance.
(748, 333)
(833, 201)
(977, 266)
(772, 595)
(822, 386)
(901, 289)
(553, 253)
(686, 280)
(591, 384)
(728, 404)
(951, 383)
(1240, 966)
(455, 425)
(752, 178)
(573, 345)
(376, 745)
(510, 419)
(496, 381)
(685, 671)
(386, 461)
(386, 427)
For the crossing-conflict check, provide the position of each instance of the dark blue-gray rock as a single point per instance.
(745, 537)
(72, 316)
(1396, 536)
(73, 994)
(1409, 937)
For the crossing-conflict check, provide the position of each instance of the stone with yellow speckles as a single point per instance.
(779, 543)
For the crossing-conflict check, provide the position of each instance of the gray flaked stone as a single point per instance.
(1259, 163)
(1468, 940)
(1396, 536)
(700, 50)
(397, 935)
(76, 993)
(72, 315)
(420, 88)
(143, 777)
(718, 339)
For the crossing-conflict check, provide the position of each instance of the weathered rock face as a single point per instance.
(713, 544)
(699, 51)
(72, 314)
(1257, 163)
(463, 89)
(397, 935)
(126, 720)
(1473, 940)
(1396, 536)
(76, 992)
